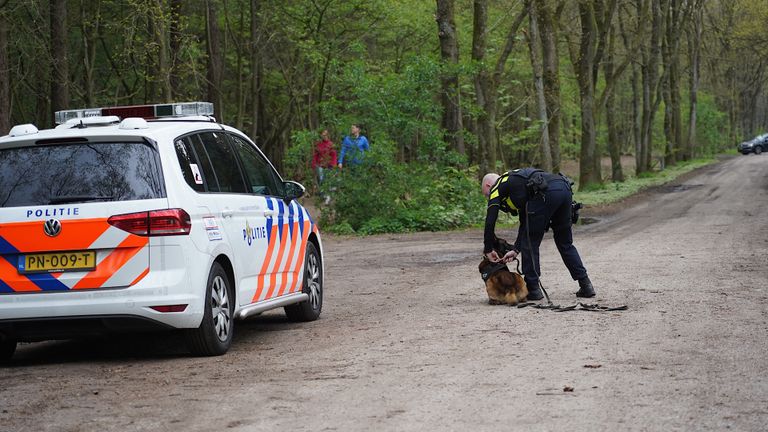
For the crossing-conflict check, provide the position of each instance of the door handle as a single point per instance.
(227, 213)
(269, 213)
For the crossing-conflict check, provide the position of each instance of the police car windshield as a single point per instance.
(57, 174)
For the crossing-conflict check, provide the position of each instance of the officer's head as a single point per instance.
(488, 181)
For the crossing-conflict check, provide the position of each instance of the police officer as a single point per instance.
(542, 200)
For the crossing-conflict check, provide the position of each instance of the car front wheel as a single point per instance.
(309, 310)
(758, 150)
(214, 336)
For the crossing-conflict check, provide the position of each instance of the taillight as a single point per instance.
(154, 223)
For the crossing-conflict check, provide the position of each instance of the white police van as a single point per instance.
(146, 217)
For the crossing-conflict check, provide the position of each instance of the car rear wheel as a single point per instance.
(758, 150)
(309, 310)
(214, 336)
(7, 348)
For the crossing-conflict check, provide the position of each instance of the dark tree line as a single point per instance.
(461, 82)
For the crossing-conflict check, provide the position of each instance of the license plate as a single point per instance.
(59, 261)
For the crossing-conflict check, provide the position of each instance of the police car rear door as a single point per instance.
(60, 206)
(241, 216)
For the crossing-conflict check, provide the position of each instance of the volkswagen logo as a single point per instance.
(52, 227)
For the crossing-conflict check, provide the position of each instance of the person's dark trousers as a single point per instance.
(554, 210)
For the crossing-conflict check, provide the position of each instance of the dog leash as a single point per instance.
(590, 307)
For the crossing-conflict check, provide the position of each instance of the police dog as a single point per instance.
(503, 286)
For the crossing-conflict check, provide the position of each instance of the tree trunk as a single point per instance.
(650, 85)
(450, 94)
(161, 39)
(90, 21)
(666, 92)
(5, 77)
(676, 18)
(584, 71)
(256, 105)
(174, 42)
(614, 141)
(483, 90)
(551, 63)
(694, 48)
(59, 56)
(487, 83)
(215, 59)
(635, 120)
(669, 144)
(534, 45)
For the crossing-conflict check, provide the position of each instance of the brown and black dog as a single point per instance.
(503, 286)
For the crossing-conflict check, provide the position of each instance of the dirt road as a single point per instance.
(407, 342)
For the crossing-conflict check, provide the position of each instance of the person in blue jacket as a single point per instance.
(353, 147)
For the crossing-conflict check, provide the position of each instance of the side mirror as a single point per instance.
(293, 190)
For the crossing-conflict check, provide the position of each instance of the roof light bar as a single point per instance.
(146, 112)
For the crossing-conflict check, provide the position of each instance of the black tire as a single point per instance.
(309, 310)
(758, 150)
(7, 348)
(214, 336)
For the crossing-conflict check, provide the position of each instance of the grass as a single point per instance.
(611, 192)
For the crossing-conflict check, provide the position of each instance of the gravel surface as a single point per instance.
(407, 341)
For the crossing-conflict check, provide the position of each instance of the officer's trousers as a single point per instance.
(553, 209)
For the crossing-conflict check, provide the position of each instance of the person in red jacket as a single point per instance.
(324, 155)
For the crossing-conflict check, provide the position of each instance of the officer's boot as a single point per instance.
(534, 292)
(585, 288)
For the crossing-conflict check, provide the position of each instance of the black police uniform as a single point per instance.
(538, 211)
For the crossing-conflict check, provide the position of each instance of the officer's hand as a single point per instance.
(492, 256)
(509, 256)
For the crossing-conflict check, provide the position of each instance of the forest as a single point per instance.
(445, 90)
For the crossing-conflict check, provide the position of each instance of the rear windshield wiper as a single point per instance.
(78, 198)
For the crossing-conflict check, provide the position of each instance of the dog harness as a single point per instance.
(491, 269)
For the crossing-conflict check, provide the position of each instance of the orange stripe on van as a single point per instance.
(141, 276)
(75, 234)
(11, 277)
(288, 274)
(277, 269)
(300, 262)
(265, 265)
(112, 263)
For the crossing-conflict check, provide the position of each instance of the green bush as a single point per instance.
(298, 158)
(382, 195)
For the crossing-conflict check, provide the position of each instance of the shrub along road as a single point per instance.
(407, 341)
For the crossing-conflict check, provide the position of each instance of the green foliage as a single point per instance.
(711, 126)
(382, 195)
(396, 106)
(298, 158)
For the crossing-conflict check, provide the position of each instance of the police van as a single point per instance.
(148, 217)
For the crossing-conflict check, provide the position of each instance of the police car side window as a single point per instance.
(224, 162)
(188, 162)
(261, 178)
(209, 177)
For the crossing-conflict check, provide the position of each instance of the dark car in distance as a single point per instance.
(756, 145)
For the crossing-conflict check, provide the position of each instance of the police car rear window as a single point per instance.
(90, 172)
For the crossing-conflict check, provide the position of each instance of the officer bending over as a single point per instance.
(543, 200)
